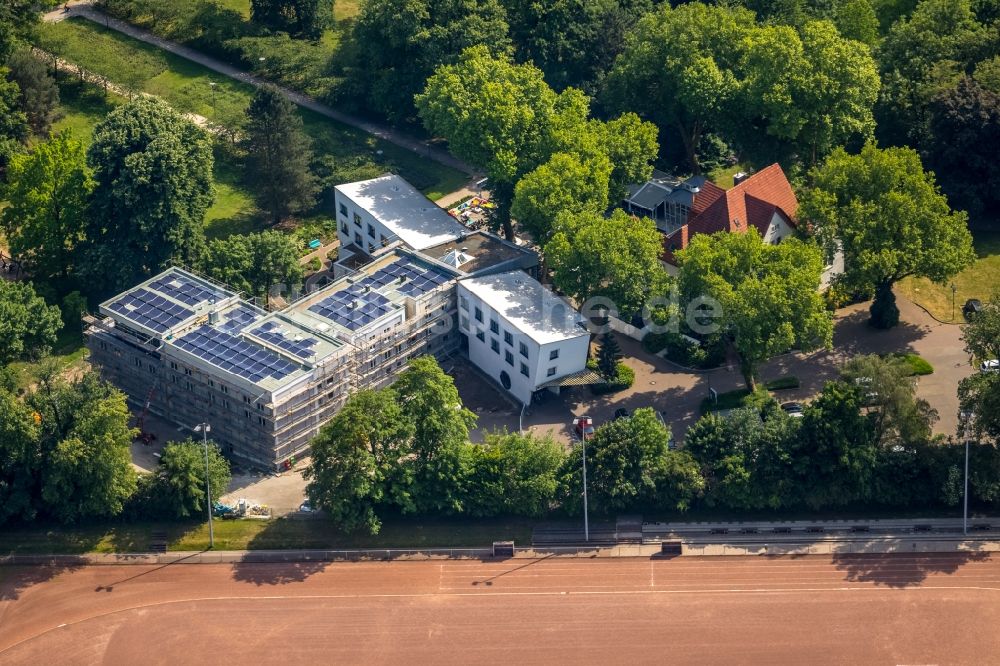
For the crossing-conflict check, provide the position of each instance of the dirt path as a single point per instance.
(84, 9)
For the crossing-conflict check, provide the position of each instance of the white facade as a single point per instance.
(777, 230)
(520, 334)
(373, 213)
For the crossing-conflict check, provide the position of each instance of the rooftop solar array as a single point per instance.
(235, 355)
(408, 278)
(272, 333)
(184, 289)
(354, 307)
(239, 318)
(151, 310)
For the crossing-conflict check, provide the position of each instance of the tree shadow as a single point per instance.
(16, 578)
(902, 569)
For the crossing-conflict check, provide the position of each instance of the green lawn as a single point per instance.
(723, 176)
(980, 281)
(281, 533)
(185, 86)
(68, 352)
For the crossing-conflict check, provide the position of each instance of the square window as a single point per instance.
(507, 356)
(357, 219)
(494, 327)
(463, 303)
(495, 345)
(358, 241)
(371, 231)
(554, 354)
(480, 336)
(523, 348)
(479, 314)
(524, 370)
(343, 210)
(465, 323)
(551, 372)
(508, 337)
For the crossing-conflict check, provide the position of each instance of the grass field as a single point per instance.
(981, 281)
(185, 86)
(280, 533)
(68, 353)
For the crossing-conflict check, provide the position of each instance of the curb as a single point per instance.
(689, 549)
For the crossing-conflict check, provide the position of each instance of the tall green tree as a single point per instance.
(573, 42)
(39, 93)
(630, 467)
(302, 18)
(357, 460)
(898, 416)
(617, 258)
(254, 263)
(45, 220)
(180, 482)
(17, 20)
(153, 184)
(767, 298)
(430, 402)
(494, 114)
(563, 184)
(891, 220)
(679, 69)
(14, 127)
(745, 460)
(834, 455)
(979, 395)
(28, 326)
(608, 354)
(964, 129)
(923, 55)
(278, 155)
(398, 45)
(85, 440)
(19, 459)
(513, 474)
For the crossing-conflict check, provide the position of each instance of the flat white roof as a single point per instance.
(415, 219)
(528, 306)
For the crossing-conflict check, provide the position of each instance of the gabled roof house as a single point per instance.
(764, 200)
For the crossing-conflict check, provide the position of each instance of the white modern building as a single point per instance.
(371, 214)
(522, 335)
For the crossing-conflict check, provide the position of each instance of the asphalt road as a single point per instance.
(901, 609)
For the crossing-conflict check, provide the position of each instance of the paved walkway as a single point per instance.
(678, 393)
(84, 9)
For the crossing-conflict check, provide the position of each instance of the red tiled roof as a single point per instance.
(753, 202)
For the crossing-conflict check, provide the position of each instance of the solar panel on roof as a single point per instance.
(147, 309)
(234, 354)
(239, 318)
(185, 290)
(271, 332)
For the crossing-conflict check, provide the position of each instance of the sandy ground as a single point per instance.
(898, 609)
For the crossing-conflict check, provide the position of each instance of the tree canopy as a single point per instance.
(889, 217)
(254, 263)
(48, 195)
(179, 487)
(898, 417)
(153, 184)
(767, 296)
(979, 395)
(617, 258)
(28, 326)
(400, 44)
(278, 155)
(302, 18)
(39, 94)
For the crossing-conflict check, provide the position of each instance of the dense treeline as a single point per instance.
(865, 440)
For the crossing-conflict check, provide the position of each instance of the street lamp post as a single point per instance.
(953, 290)
(584, 422)
(214, 112)
(204, 429)
(965, 493)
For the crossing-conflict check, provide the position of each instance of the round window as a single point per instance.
(505, 380)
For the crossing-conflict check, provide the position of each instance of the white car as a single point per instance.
(305, 507)
(990, 366)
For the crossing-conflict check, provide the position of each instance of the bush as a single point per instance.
(736, 399)
(710, 354)
(314, 265)
(624, 378)
(917, 364)
(782, 383)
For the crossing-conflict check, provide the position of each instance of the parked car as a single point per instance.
(305, 507)
(620, 413)
(990, 366)
(793, 409)
(972, 307)
(582, 430)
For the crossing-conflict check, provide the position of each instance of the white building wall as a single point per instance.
(571, 356)
(358, 226)
(777, 230)
(497, 352)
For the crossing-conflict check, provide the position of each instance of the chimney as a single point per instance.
(739, 177)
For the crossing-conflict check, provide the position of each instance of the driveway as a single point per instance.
(677, 392)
